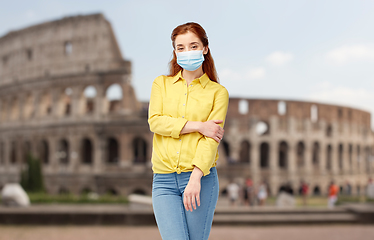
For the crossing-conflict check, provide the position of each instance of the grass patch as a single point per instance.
(75, 199)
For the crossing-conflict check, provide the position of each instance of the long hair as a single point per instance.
(208, 64)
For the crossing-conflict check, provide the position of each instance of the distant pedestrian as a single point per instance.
(370, 189)
(304, 192)
(333, 194)
(233, 193)
(262, 193)
(248, 192)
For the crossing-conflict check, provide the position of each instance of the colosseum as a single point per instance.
(55, 103)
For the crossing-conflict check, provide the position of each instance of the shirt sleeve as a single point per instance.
(162, 125)
(207, 147)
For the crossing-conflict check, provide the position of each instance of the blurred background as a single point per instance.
(75, 81)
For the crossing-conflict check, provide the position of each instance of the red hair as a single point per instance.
(208, 64)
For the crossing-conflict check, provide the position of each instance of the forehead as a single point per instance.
(187, 38)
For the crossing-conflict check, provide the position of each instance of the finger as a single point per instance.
(185, 203)
(193, 203)
(198, 199)
(218, 121)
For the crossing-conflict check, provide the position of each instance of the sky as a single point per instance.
(315, 50)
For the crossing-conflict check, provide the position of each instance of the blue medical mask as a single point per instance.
(190, 60)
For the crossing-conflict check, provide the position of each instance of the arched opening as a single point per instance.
(226, 148)
(367, 160)
(314, 113)
(358, 152)
(26, 150)
(66, 101)
(44, 151)
(86, 191)
(63, 151)
(87, 151)
(329, 157)
(114, 95)
(283, 155)
(350, 150)
(113, 150)
(340, 156)
(90, 94)
(300, 161)
(140, 150)
(315, 154)
(264, 155)
(329, 131)
(13, 150)
(2, 153)
(316, 191)
(14, 113)
(282, 108)
(245, 149)
(243, 106)
(45, 106)
(139, 191)
(262, 128)
(63, 191)
(112, 191)
(28, 108)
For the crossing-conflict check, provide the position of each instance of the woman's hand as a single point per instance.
(212, 129)
(191, 195)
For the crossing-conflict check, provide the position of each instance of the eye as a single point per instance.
(194, 47)
(179, 49)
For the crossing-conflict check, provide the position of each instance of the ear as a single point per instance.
(205, 50)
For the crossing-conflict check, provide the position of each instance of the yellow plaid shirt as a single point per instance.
(172, 104)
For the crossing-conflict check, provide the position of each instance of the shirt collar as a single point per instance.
(203, 79)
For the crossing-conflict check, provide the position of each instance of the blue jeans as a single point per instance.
(173, 221)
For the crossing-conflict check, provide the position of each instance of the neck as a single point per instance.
(189, 76)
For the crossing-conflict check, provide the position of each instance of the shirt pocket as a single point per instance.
(200, 110)
(170, 107)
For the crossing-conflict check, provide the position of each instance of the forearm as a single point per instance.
(191, 126)
(196, 174)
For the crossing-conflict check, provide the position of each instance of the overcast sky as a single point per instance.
(320, 50)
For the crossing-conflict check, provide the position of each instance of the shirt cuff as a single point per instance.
(178, 126)
(205, 169)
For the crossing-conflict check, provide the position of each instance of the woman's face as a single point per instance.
(189, 42)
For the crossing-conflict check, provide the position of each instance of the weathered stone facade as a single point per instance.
(54, 81)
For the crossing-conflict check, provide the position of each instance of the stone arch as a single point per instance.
(44, 151)
(264, 155)
(314, 113)
(244, 154)
(113, 150)
(329, 157)
(65, 102)
(283, 155)
(243, 106)
(316, 154)
(340, 156)
(282, 108)
(140, 150)
(89, 94)
(86, 151)
(63, 151)
(316, 191)
(114, 96)
(300, 153)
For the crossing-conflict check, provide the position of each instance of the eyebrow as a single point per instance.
(190, 43)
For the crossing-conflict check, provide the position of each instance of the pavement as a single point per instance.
(336, 232)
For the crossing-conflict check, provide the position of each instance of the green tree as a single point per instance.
(32, 177)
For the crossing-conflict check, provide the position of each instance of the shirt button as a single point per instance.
(191, 85)
(179, 170)
(185, 94)
(182, 116)
(180, 140)
(177, 152)
(184, 104)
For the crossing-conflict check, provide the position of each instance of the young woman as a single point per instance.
(187, 111)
